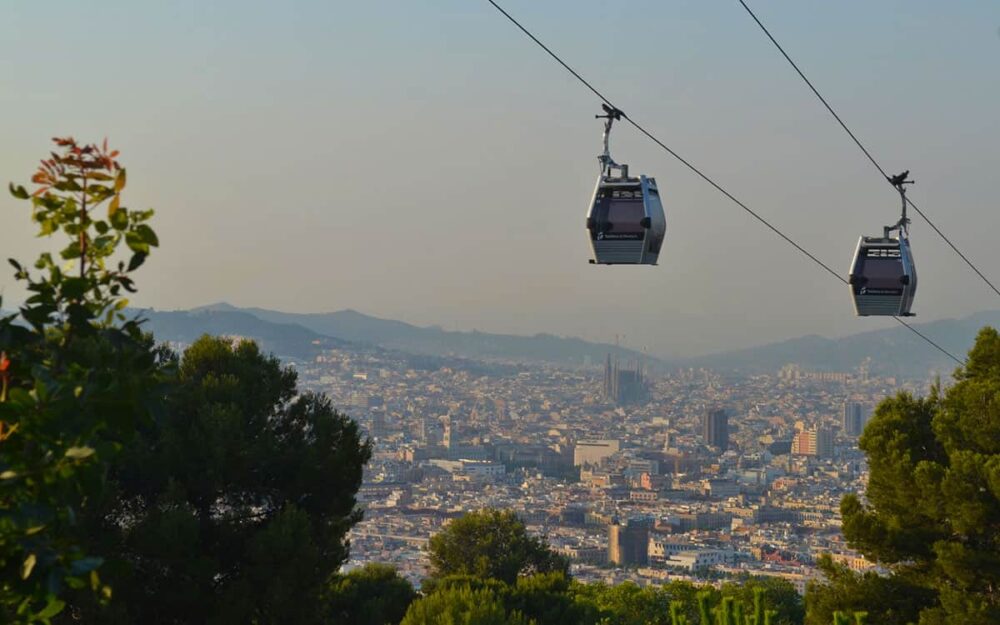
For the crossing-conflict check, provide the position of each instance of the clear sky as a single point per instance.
(424, 161)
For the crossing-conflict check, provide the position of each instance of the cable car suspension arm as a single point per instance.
(899, 181)
(610, 114)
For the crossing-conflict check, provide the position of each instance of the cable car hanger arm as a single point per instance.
(899, 181)
(610, 114)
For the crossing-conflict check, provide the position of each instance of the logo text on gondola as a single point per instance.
(873, 291)
(610, 236)
(883, 252)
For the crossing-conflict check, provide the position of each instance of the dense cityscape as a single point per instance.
(362, 313)
(633, 475)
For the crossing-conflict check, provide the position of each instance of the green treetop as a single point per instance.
(372, 595)
(932, 507)
(491, 544)
(235, 506)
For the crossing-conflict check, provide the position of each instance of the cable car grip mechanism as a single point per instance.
(611, 114)
(899, 181)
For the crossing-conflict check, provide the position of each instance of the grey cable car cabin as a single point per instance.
(625, 220)
(883, 276)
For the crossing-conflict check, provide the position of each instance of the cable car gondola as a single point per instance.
(883, 276)
(625, 220)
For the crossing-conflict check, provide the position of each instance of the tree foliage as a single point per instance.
(234, 507)
(372, 595)
(491, 544)
(779, 595)
(461, 605)
(933, 500)
(888, 600)
(679, 602)
(76, 380)
(549, 598)
(554, 599)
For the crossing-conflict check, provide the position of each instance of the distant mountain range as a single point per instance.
(284, 339)
(301, 335)
(893, 351)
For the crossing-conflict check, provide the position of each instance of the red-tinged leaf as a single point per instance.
(114, 153)
(4, 362)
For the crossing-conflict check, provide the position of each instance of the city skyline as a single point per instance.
(658, 487)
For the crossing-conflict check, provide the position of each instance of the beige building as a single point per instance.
(855, 562)
(594, 451)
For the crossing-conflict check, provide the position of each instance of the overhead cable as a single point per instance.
(701, 174)
(861, 146)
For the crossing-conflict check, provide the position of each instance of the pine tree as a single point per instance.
(932, 508)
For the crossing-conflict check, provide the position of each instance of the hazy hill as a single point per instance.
(350, 325)
(895, 351)
(282, 339)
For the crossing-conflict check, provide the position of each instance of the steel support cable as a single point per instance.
(677, 156)
(862, 147)
(701, 174)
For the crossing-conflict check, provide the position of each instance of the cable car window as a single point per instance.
(625, 216)
(882, 273)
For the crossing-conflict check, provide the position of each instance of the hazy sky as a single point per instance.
(423, 161)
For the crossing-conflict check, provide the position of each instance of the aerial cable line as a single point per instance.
(677, 156)
(702, 175)
(861, 146)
